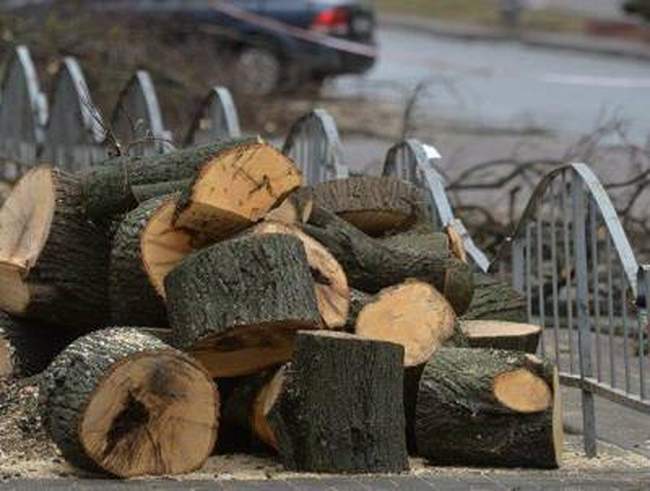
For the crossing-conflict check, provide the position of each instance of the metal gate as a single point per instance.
(217, 119)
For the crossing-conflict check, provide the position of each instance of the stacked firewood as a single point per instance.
(330, 324)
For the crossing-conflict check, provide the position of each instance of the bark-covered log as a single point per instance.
(370, 265)
(115, 186)
(237, 305)
(489, 408)
(417, 239)
(28, 347)
(339, 407)
(331, 285)
(134, 299)
(294, 209)
(236, 189)
(495, 300)
(504, 335)
(375, 205)
(126, 403)
(53, 261)
(145, 192)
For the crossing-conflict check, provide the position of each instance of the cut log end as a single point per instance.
(163, 246)
(237, 188)
(502, 335)
(413, 314)
(558, 418)
(330, 282)
(150, 416)
(456, 244)
(293, 210)
(264, 402)
(522, 391)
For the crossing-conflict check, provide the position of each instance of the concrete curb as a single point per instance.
(581, 43)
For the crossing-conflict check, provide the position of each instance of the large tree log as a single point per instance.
(323, 419)
(375, 205)
(417, 239)
(53, 261)
(236, 189)
(495, 300)
(143, 241)
(237, 305)
(126, 403)
(370, 265)
(115, 186)
(332, 292)
(28, 347)
(512, 336)
(489, 408)
(294, 209)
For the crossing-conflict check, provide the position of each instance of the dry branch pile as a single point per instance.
(329, 323)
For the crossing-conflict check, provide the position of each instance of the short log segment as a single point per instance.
(504, 335)
(418, 239)
(119, 184)
(53, 261)
(371, 266)
(375, 205)
(28, 347)
(325, 420)
(236, 189)
(489, 408)
(495, 300)
(332, 292)
(237, 305)
(128, 404)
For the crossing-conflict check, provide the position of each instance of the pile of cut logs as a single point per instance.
(329, 324)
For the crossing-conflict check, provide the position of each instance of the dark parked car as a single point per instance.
(638, 7)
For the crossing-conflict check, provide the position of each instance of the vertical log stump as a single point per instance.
(332, 292)
(495, 300)
(338, 406)
(489, 408)
(375, 205)
(53, 261)
(236, 189)
(126, 403)
(512, 336)
(237, 305)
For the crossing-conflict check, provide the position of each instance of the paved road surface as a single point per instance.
(507, 84)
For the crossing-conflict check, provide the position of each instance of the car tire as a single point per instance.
(257, 71)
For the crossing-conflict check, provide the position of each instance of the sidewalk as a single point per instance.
(585, 43)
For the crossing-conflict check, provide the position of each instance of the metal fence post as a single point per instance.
(582, 308)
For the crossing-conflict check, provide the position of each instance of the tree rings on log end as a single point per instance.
(502, 335)
(413, 314)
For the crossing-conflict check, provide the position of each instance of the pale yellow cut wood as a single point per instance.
(153, 414)
(262, 405)
(558, 418)
(413, 314)
(6, 365)
(456, 244)
(163, 246)
(291, 212)
(522, 391)
(237, 189)
(492, 329)
(330, 281)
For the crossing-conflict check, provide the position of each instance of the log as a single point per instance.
(371, 266)
(115, 186)
(237, 305)
(236, 189)
(417, 239)
(324, 420)
(28, 347)
(503, 335)
(53, 261)
(489, 408)
(125, 403)
(456, 244)
(375, 205)
(295, 209)
(134, 299)
(331, 285)
(495, 300)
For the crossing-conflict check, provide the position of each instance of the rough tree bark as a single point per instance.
(126, 403)
(237, 305)
(495, 300)
(512, 336)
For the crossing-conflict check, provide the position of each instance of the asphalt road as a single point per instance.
(508, 85)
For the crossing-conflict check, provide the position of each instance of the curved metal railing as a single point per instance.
(23, 114)
(75, 131)
(314, 145)
(137, 119)
(217, 119)
(572, 260)
(412, 160)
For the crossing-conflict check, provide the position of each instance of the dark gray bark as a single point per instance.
(326, 420)
(370, 265)
(495, 300)
(526, 341)
(459, 421)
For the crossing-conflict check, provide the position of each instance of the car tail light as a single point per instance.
(333, 21)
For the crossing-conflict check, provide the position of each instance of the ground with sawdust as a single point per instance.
(26, 451)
